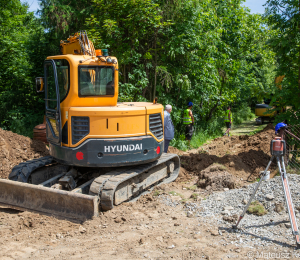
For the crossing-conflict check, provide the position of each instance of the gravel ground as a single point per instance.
(222, 208)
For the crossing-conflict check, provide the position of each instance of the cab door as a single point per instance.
(52, 103)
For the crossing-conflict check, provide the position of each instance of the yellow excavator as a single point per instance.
(102, 152)
(265, 112)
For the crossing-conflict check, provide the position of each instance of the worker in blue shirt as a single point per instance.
(168, 127)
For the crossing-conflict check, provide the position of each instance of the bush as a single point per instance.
(22, 121)
(201, 137)
(180, 143)
(203, 132)
(242, 114)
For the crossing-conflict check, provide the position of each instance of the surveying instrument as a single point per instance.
(278, 150)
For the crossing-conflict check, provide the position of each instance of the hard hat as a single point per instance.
(190, 104)
(278, 126)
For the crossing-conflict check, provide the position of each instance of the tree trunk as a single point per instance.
(210, 114)
(212, 110)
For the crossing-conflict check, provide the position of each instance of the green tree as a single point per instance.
(209, 52)
(284, 18)
(19, 104)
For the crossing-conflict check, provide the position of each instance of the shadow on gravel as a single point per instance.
(269, 224)
(239, 231)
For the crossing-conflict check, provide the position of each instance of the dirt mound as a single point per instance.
(244, 156)
(15, 149)
(243, 143)
(216, 177)
(172, 149)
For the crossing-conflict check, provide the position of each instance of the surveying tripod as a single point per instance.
(278, 149)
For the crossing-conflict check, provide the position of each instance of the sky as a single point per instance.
(33, 5)
(254, 5)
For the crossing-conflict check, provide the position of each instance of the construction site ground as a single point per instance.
(171, 222)
(246, 127)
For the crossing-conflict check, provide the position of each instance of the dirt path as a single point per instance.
(246, 128)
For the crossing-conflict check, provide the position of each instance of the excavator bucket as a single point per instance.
(38, 198)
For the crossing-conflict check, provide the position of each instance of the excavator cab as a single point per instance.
(86, 126)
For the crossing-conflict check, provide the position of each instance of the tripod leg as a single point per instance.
(288, 200)
(253, 194)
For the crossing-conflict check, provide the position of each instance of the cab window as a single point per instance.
(63, 75)
(96, 81)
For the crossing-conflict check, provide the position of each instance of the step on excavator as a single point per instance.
(102, 152)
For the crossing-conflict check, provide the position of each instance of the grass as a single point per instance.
(201, 137)
(174, 193)
(202, 134)
(248, 127)
(194, 187)
(257, 208)
(156, 193)
(258, 129)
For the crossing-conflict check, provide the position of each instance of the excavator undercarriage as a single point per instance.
(42, 185)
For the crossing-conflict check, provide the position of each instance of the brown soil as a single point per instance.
(15, 149)
(147, 228)
(172, 149)
(215, 177)
(243, 156)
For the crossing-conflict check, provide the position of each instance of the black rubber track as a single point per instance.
(110, 185)
(22, 171)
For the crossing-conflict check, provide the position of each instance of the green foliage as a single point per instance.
(201, 138)
(180, 143)
(243, 113)
(257, 130)
(21, 55)
(210, 52)
(64, 17)
(283, 18)
(22, 121)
